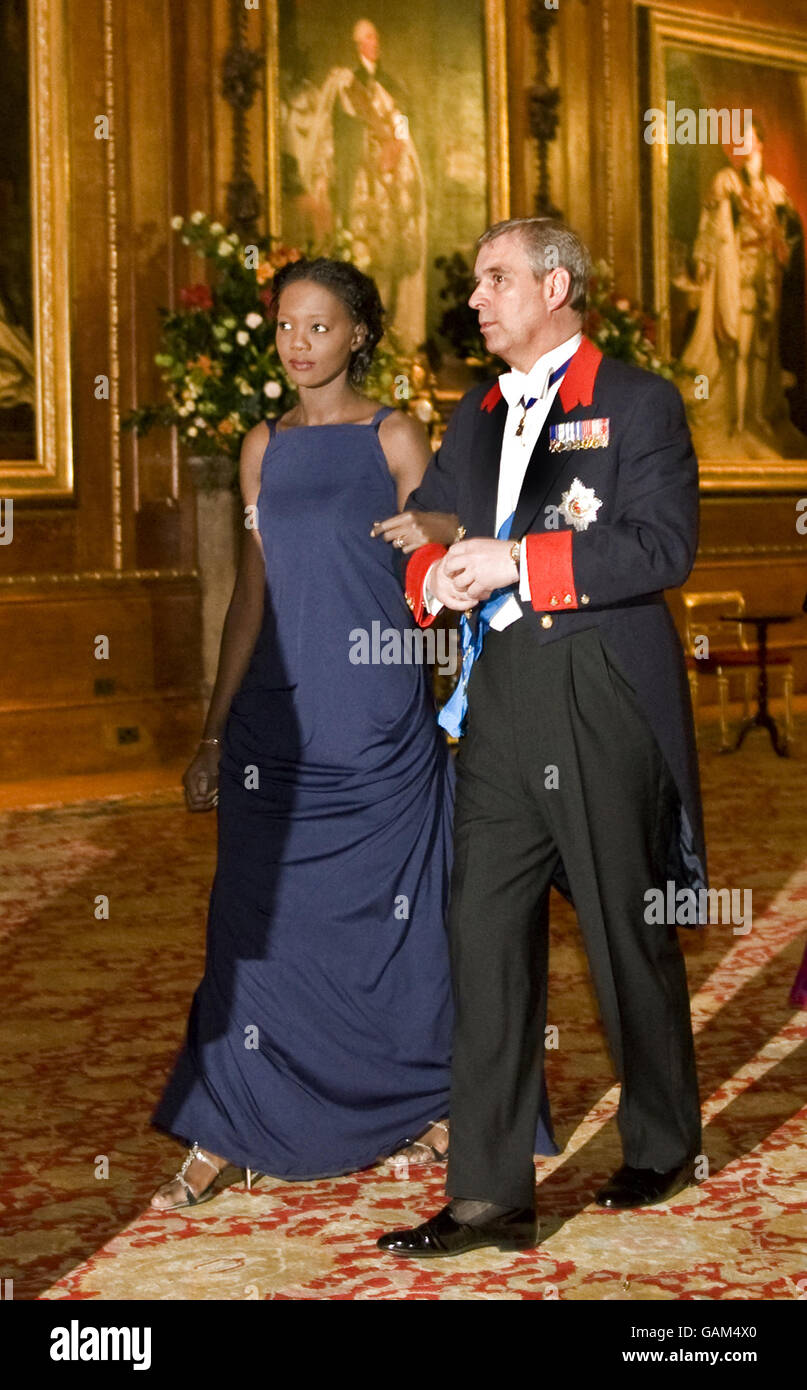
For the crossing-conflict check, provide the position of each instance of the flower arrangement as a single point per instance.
(618, 327)
(218, 362)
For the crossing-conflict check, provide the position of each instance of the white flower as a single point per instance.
(273, 389)
(245, 388)
(229, 322)
(199, 421)
(192, 432)
(233, 239)
(423, 409)
(242, 338)
(177, 223)
(579, 506)
(253, 320)
(216, 228)
(224, 248)
(197, 217)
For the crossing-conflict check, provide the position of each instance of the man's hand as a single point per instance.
(410, 530)
(476, 567)
(446, 591)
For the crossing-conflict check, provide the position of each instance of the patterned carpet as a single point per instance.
(96, 1008)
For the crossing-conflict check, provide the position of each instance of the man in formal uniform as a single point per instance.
(574, 478)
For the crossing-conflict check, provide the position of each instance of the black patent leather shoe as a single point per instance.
(644, 1187)
(512, 1230)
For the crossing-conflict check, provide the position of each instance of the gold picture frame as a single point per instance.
(50, 473)
(496, 150)
(664, 32)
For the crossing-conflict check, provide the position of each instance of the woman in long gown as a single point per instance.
(319, 1038)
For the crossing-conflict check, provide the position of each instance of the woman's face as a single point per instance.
(315, 334)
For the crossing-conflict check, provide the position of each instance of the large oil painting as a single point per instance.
(388, 136)
(17, 370)
(727, 187)
(36, 450)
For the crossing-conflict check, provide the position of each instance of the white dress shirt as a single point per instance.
(515, 455)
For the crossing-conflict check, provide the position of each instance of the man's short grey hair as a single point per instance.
(549, 243)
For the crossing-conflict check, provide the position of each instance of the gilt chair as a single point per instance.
(717, 644)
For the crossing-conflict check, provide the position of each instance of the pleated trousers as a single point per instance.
(559, 766)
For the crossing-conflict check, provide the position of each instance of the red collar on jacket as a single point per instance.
(577, 386)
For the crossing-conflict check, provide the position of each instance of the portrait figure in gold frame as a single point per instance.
(727, 196)
(388, 136)
(17, 369)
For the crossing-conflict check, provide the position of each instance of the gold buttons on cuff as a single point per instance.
(410, 602)
(567, 598)
(584, 598)
(554, 600)
(546, 620)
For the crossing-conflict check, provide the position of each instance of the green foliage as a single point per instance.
(219, 366)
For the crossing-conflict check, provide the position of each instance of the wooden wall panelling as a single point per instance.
(44, 538)
(195, 79)
(579, 188)
(146, 242)
(139, 65)
(61, 709)
(520, 74)
(256, 38)
(94, 72)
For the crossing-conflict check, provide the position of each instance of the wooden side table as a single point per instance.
(762, 717)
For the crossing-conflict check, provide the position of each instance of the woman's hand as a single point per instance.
(409, 530)
(201, 779)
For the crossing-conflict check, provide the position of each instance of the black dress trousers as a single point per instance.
(559, 764)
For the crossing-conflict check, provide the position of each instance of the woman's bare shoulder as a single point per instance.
(256, 438)
(401, 427)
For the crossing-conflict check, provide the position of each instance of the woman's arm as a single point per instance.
(408, 453)
(240, 632)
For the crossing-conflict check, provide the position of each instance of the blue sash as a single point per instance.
(452, 715)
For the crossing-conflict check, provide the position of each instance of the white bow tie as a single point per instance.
(514, 385)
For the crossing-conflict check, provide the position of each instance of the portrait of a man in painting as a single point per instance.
(351, 156)
(374, 151)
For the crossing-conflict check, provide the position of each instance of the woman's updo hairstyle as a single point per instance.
(357, 292)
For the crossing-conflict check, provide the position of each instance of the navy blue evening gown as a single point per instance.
(319, 1038)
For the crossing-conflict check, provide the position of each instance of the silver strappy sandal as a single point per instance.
(191, 1198)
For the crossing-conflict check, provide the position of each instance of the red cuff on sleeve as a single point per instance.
(420, 563)
(550, 572)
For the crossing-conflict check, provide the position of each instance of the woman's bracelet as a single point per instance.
(217, 741)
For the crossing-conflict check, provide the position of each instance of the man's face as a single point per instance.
(367, 41)
(511, 302)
